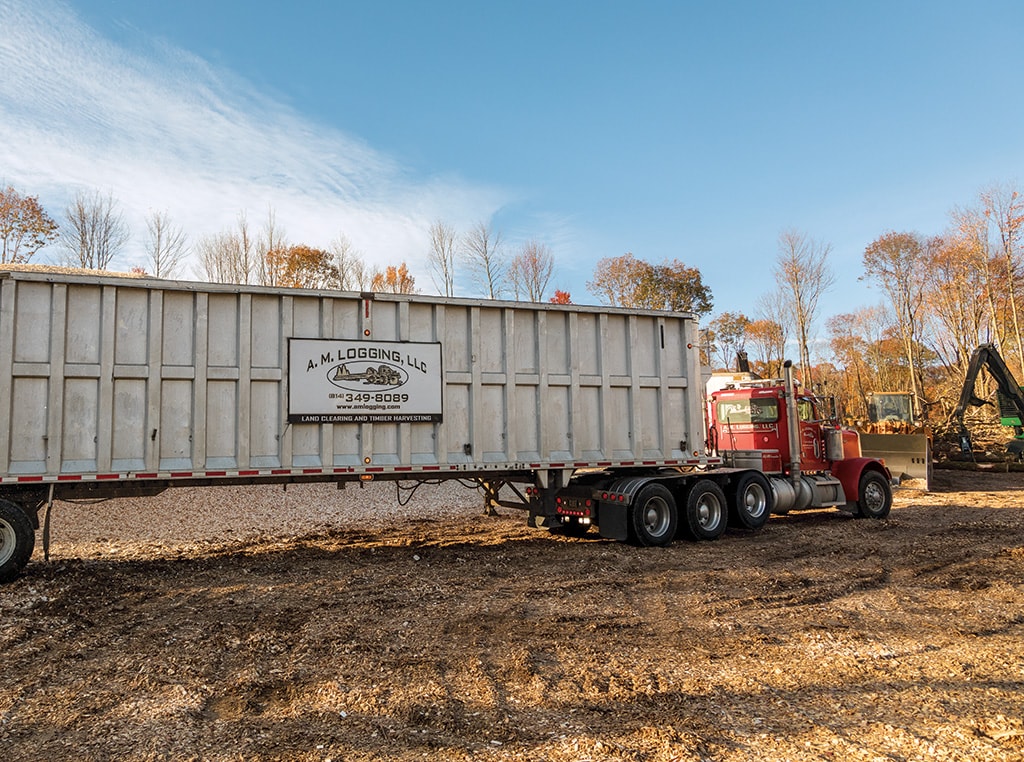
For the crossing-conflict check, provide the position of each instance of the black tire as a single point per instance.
(653, 517)
(706, 511)
(750, 501)
(874, 496)
(17, 540)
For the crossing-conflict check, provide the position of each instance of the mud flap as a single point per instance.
(613, 521)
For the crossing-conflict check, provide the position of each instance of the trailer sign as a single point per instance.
(339, 381)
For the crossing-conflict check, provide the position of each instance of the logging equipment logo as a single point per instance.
(362, 376)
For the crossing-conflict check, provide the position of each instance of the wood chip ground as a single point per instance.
(315, 624)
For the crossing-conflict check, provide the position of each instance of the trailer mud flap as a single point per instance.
(905, 455)
(613, 521)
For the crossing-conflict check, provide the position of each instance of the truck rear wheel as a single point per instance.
(874, 496)
(750, 503)
(705, 514)
(17, 539)
(653, 516)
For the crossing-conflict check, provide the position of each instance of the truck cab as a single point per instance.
(794, 439)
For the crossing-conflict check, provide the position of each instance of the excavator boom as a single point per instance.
(1011, 398)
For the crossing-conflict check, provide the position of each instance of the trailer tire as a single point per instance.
(706, 511)
(750, 503)
(653, 517)
(17, 540)
(874, 496)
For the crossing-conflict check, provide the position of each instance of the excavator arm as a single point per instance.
(1011, 398)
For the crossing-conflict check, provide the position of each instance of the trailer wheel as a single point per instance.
(874, 496)
(750, 503)
(17, 539)
(705, 515)
(653, 516)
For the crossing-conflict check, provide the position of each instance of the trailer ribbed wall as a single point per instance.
(107, 377)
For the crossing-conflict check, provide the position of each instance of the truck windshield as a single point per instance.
(748, 411)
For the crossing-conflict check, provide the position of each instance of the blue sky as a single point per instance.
(696, 131)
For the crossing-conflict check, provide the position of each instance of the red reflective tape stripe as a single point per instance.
(69, 478)
(215, 473)
(108, 477)
(30, 478)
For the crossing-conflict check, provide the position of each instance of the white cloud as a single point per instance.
(166, 130)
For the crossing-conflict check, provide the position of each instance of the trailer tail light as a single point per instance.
(613, 497)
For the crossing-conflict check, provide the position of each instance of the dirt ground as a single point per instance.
(821, 637)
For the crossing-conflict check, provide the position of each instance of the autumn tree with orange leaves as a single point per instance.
(393, 280)
(302, 267)
(626, 281)
(25, 227)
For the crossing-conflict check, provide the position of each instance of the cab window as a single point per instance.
(764, 410)
(805, 409)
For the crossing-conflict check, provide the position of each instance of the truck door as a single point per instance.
(812, 443)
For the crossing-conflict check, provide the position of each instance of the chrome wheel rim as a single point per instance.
(8, 542)
(656, 517)
(709, 511)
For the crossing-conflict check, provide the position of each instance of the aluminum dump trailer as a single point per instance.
(116, 386)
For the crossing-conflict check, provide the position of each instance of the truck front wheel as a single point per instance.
(17, 539)
(653, 516)
(874, 496)
(705, 514)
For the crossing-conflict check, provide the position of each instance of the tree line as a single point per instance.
(941, 294)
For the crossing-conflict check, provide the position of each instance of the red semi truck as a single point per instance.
(776, 452)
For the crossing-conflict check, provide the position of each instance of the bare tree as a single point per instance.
(269, 244)
(485, 259)
(957, 289)
(25, 227)
(353, 274)
(229, 256)
(896, 262)
(95, 232)
(1005, 208)
(530, 271)
(804, 275)
(166, 247)
(442, 257)
(730, 333)
(768, 334)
